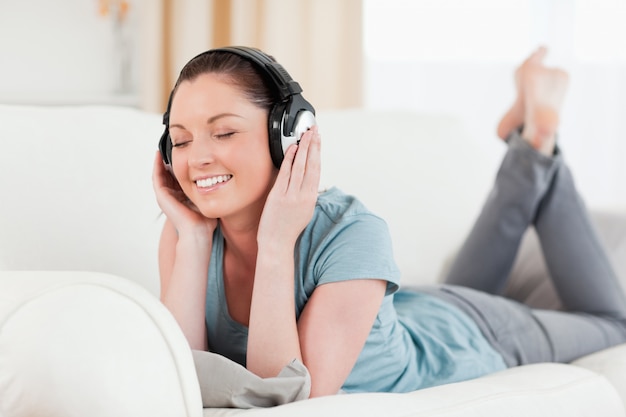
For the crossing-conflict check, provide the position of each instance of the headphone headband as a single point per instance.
(282, 81)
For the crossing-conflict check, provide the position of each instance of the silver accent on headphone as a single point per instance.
(304, 121)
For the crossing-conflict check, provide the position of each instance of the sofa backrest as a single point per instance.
(422, 173)
(77, 192)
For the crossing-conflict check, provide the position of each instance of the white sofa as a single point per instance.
(82, 332)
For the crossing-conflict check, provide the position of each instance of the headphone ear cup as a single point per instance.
(288, 121)
(165, 148)
(275, 132)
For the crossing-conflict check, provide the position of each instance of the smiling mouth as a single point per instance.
(210, 182)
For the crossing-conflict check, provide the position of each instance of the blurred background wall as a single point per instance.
(130, 51)
(438, 56)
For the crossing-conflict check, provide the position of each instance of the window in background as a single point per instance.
(600, 32)
(458, 57)
(446, 30)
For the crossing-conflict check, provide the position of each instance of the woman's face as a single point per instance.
(220, 152)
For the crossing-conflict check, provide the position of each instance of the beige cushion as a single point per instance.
(224, 383)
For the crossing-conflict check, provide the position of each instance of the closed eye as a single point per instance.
(180, 144)
(224, 135)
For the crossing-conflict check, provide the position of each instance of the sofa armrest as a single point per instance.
(90, 344)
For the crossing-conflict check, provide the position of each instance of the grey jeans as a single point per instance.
(532, 189)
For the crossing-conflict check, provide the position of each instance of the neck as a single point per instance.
(240, 239)
(240, 234)
(240, 243)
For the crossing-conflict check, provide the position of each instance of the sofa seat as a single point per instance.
(534, 390)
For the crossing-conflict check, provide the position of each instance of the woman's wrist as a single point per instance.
(276, 240)
(201, 236)
(276, 248)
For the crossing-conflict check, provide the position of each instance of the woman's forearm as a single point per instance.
(273, 340)
(185, 292)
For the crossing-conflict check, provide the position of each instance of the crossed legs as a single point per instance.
(534, 187)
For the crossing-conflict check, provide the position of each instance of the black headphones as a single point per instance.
(289, 117)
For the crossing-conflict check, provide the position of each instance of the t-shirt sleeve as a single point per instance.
(358, 247)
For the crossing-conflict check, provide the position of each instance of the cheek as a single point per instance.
(256, 159)
(178, 166)
(180, 170)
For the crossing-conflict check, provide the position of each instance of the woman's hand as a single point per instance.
(290, 203)
(184, 256)
(273, 334)
(179, 210)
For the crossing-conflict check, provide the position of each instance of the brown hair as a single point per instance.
(236, 70)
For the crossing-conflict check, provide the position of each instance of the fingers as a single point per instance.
(164, 184)
(282, 180)
(157, 170)
(311, 178)
(298, 167)
(161, 177)
(305, 169)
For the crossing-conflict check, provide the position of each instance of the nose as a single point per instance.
(201, 153)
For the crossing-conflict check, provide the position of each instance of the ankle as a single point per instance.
(512, 120)
(540, 130)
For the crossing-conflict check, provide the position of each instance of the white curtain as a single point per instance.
(317, 41)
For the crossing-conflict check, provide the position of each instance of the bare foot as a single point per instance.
(514, 118)
(544, 91)
(540, 94)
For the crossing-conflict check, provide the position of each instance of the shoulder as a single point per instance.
(340, 214)
(345, 240)
(338, 206)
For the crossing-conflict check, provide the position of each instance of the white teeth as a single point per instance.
(210, 182)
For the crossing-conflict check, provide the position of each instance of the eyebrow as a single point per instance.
(210, 120)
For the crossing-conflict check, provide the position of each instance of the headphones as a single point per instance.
(289, 117)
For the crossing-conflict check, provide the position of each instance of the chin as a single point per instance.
(211, 212)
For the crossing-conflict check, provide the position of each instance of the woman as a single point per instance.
(257, 266)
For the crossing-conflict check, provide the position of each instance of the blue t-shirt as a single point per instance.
(417, 340)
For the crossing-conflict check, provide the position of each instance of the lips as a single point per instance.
(212, 181)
